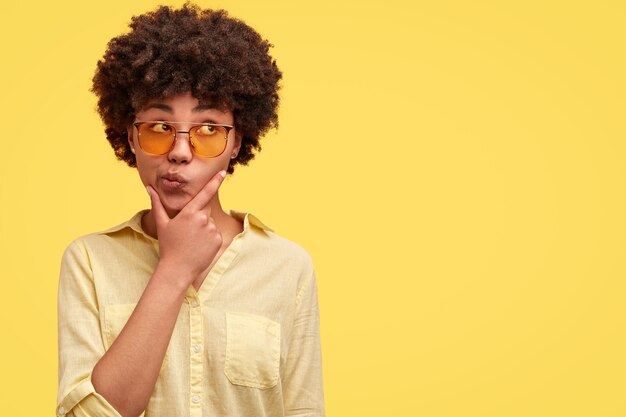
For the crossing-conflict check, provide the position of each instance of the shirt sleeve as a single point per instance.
(80, 339)
(302, 386)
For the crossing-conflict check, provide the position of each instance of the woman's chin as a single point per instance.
(174, 206)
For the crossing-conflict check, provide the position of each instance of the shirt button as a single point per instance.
(196, 348)
(61, 410)
(194, 303)
(195, 399)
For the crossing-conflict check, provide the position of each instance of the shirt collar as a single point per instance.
(248, 219)
(134, 222)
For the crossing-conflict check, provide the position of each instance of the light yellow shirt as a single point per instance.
(245, 344)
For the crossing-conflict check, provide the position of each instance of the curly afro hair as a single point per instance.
(218, 58)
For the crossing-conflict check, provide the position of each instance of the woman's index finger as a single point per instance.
(207, 192)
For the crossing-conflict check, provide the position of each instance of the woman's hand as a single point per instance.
(189, 241)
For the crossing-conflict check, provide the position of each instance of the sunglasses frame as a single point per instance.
(176, 132)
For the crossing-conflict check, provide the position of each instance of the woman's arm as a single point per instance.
(126, 374)
(302, 388)
(128, 371)
(80, 339)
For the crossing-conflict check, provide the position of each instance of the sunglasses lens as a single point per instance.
(156, 138)
(209, 141)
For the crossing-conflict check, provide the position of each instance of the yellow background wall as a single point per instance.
(455, 168)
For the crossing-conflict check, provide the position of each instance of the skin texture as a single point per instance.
(193, 231)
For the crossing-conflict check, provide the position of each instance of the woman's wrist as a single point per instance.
(172, 275)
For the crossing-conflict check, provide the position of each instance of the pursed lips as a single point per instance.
(173, 181)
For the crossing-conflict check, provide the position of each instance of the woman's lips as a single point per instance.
(172, 181)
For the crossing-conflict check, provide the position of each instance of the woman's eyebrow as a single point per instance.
(159, 106)
(202, 107)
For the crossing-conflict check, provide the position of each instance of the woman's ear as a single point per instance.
(237, 146)
(131, 141)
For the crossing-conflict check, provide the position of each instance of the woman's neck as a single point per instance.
(227, 225)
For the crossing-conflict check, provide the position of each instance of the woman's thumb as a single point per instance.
(158, 211)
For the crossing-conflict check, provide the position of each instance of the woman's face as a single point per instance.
(178, 175)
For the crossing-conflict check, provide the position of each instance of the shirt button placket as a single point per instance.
(195, 358)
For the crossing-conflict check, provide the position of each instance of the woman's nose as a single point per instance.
(181, 151)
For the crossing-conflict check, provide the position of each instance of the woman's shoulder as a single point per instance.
(268, 242)
(131, 226)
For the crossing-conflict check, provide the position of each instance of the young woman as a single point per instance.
(187, 309)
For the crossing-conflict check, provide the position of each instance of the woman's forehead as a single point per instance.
(184, 100)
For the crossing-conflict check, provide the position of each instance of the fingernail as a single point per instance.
(148, 190)
(223, 173)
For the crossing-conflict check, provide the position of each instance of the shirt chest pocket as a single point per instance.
(115, 318)
(252, 350)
